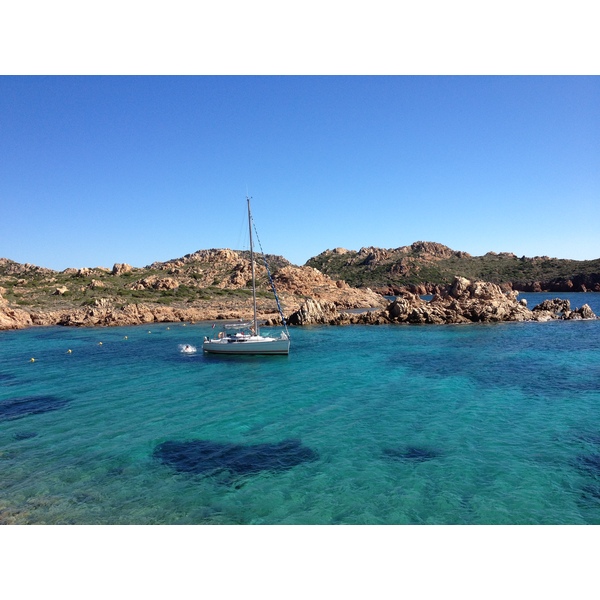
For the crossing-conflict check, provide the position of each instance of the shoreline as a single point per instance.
(463, 302)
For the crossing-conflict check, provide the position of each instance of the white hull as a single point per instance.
(249, 345)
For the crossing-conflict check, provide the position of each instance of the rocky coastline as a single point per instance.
(463, 301)
(212, 285)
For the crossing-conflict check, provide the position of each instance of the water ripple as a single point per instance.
(454, 425)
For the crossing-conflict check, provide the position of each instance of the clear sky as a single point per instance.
(100, 169)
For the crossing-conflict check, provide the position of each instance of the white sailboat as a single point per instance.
(247, 338)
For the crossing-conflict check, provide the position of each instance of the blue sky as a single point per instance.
(96, 170)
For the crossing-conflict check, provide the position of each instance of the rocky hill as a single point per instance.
(428, 267)
(205, 285)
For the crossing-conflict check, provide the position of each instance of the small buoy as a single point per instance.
(99, 343)
(32, 360)
(125, 338)
(168, 328)
(69, 351)
(184, 324)
(149, 332)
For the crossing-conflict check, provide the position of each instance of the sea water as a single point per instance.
(398, 424)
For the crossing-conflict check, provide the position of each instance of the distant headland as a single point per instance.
(428, 267)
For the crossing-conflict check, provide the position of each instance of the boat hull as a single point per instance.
(264, 346)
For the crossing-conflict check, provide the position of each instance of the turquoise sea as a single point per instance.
(468, 424)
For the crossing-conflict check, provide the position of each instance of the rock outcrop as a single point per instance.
(462, 302)
(155, 283)
(121, 268)
(314, 313)
(562, 308)
(10, 267)
(310, 282)
(13, 318)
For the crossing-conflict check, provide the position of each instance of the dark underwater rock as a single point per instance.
(591, 493)
(16, 408)
(208, 457)
(411, 454)
(25, 435)
(589, 463)
(590, 437)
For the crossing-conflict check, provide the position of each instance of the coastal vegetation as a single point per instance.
(429, 265)
(40, 288)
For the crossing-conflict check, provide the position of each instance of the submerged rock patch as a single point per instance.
(591, 493)
(590, 437)
(16, 408)
(589, 463)
(207, 457)
(25, 435)
(411, 454)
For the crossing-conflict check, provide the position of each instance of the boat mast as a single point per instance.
(252, 263)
